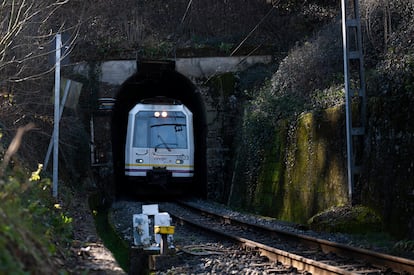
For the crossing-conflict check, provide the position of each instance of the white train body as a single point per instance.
(159, 142)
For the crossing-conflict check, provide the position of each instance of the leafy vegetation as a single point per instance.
(34, 229)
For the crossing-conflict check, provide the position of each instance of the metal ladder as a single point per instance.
(355, 92)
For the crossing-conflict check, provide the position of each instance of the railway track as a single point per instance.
(304, 253)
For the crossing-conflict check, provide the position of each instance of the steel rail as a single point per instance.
(274, 254)
(397, 264)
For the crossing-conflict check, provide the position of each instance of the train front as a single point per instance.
(159, 144)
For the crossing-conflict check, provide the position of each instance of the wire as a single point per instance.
(186, 11)
(253, 30)
(179, 28)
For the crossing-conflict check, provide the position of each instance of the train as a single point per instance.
(159, 147)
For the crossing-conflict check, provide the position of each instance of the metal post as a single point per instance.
(355, 130)
(347, 102)
(62, 105)
(92, 142)
(56, 116)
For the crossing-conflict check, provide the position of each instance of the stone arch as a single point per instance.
(151, 80)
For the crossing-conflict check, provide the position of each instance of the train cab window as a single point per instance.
(168, 132)
(140, 139)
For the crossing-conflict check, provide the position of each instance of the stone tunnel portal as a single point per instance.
(154, 79)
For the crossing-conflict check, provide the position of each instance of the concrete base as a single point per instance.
(161, 262)
(144, 261)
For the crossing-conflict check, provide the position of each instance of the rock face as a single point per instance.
(303, 170)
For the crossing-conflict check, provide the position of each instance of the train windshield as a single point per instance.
(156, 131)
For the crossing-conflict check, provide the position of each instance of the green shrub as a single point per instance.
(32, 228)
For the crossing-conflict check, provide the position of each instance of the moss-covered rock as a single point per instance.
(346, 219)
(301, 171)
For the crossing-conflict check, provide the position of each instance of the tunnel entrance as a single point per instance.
(153, 79)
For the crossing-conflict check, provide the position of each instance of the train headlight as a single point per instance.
(179, 161)
(139, 161)
(162, 114)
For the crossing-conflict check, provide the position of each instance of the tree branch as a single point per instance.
(14, 146)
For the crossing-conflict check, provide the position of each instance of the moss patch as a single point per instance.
(270, 190)
(302, 171)
(108, 235)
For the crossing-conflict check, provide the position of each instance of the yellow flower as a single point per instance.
(36, 174)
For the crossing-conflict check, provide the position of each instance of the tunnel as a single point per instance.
(153, 79)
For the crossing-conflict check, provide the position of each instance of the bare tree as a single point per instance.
(382, 18)
(27, 29)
